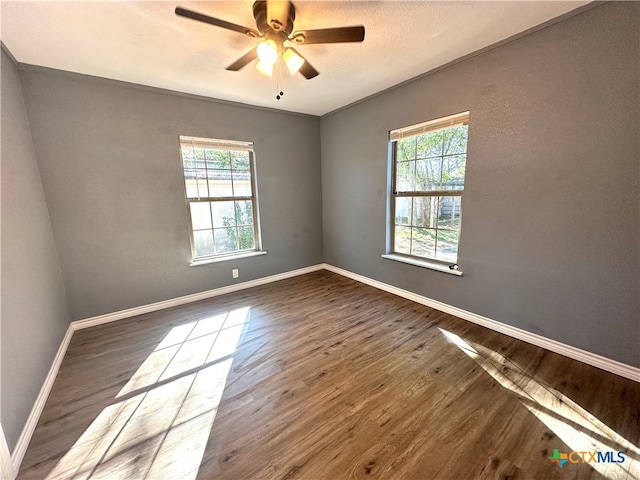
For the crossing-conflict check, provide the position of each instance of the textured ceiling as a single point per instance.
(147, 44)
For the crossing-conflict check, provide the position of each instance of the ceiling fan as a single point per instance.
(274, 22)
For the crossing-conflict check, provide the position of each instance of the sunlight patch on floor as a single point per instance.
(575, 426)
(161, 426)
(190, 346)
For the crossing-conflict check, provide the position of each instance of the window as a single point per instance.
(220, 192)
(428, 180)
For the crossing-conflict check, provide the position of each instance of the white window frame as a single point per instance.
(394, 193)
(230, 145)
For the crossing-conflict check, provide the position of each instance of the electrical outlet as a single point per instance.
(235, 273)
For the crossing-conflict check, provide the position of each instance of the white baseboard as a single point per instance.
(598, 361)
(153, 307)
(6, 465)
(27, 432)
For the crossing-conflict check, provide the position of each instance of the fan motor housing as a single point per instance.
(276, 31)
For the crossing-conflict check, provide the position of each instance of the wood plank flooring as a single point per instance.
(320, 377)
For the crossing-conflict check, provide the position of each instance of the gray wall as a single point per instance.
(33, 308)
(550, 223)
(109, 158)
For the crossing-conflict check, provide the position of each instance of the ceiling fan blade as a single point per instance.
(306, 69)
(278, 13)
(243, 60)
(329, 35)
(183, 12)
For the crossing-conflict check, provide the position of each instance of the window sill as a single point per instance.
(205, 261)
(423, 263)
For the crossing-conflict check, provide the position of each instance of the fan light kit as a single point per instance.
(274, 22)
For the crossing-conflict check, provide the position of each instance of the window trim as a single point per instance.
(424, 263)
(441, 123)
(396, 135)
(226, 257)
(221, 144)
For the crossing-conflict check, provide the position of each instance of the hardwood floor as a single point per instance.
(320, 377)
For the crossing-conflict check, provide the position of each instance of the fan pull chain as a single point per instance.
(278, 81)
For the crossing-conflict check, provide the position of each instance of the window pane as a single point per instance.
(200, 215)
(203, 242)
(220, 183)
(198, 153)
(402, 240)
(453, 169)
(449, 212)
(225, 240)
(239, 160)
(242, 184)
(218, 159)
(430, 144)
(244, 212)
(192, 187)
(424, 242)
(447, 246)
(187, 155)
(428, 174)
(403, 211)
(455, 140)
(246, 239)
(405, 176)
(189, 166)
(201, 175)
(425, 211)
(406, 149)
(223, 214)
(212, 165)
